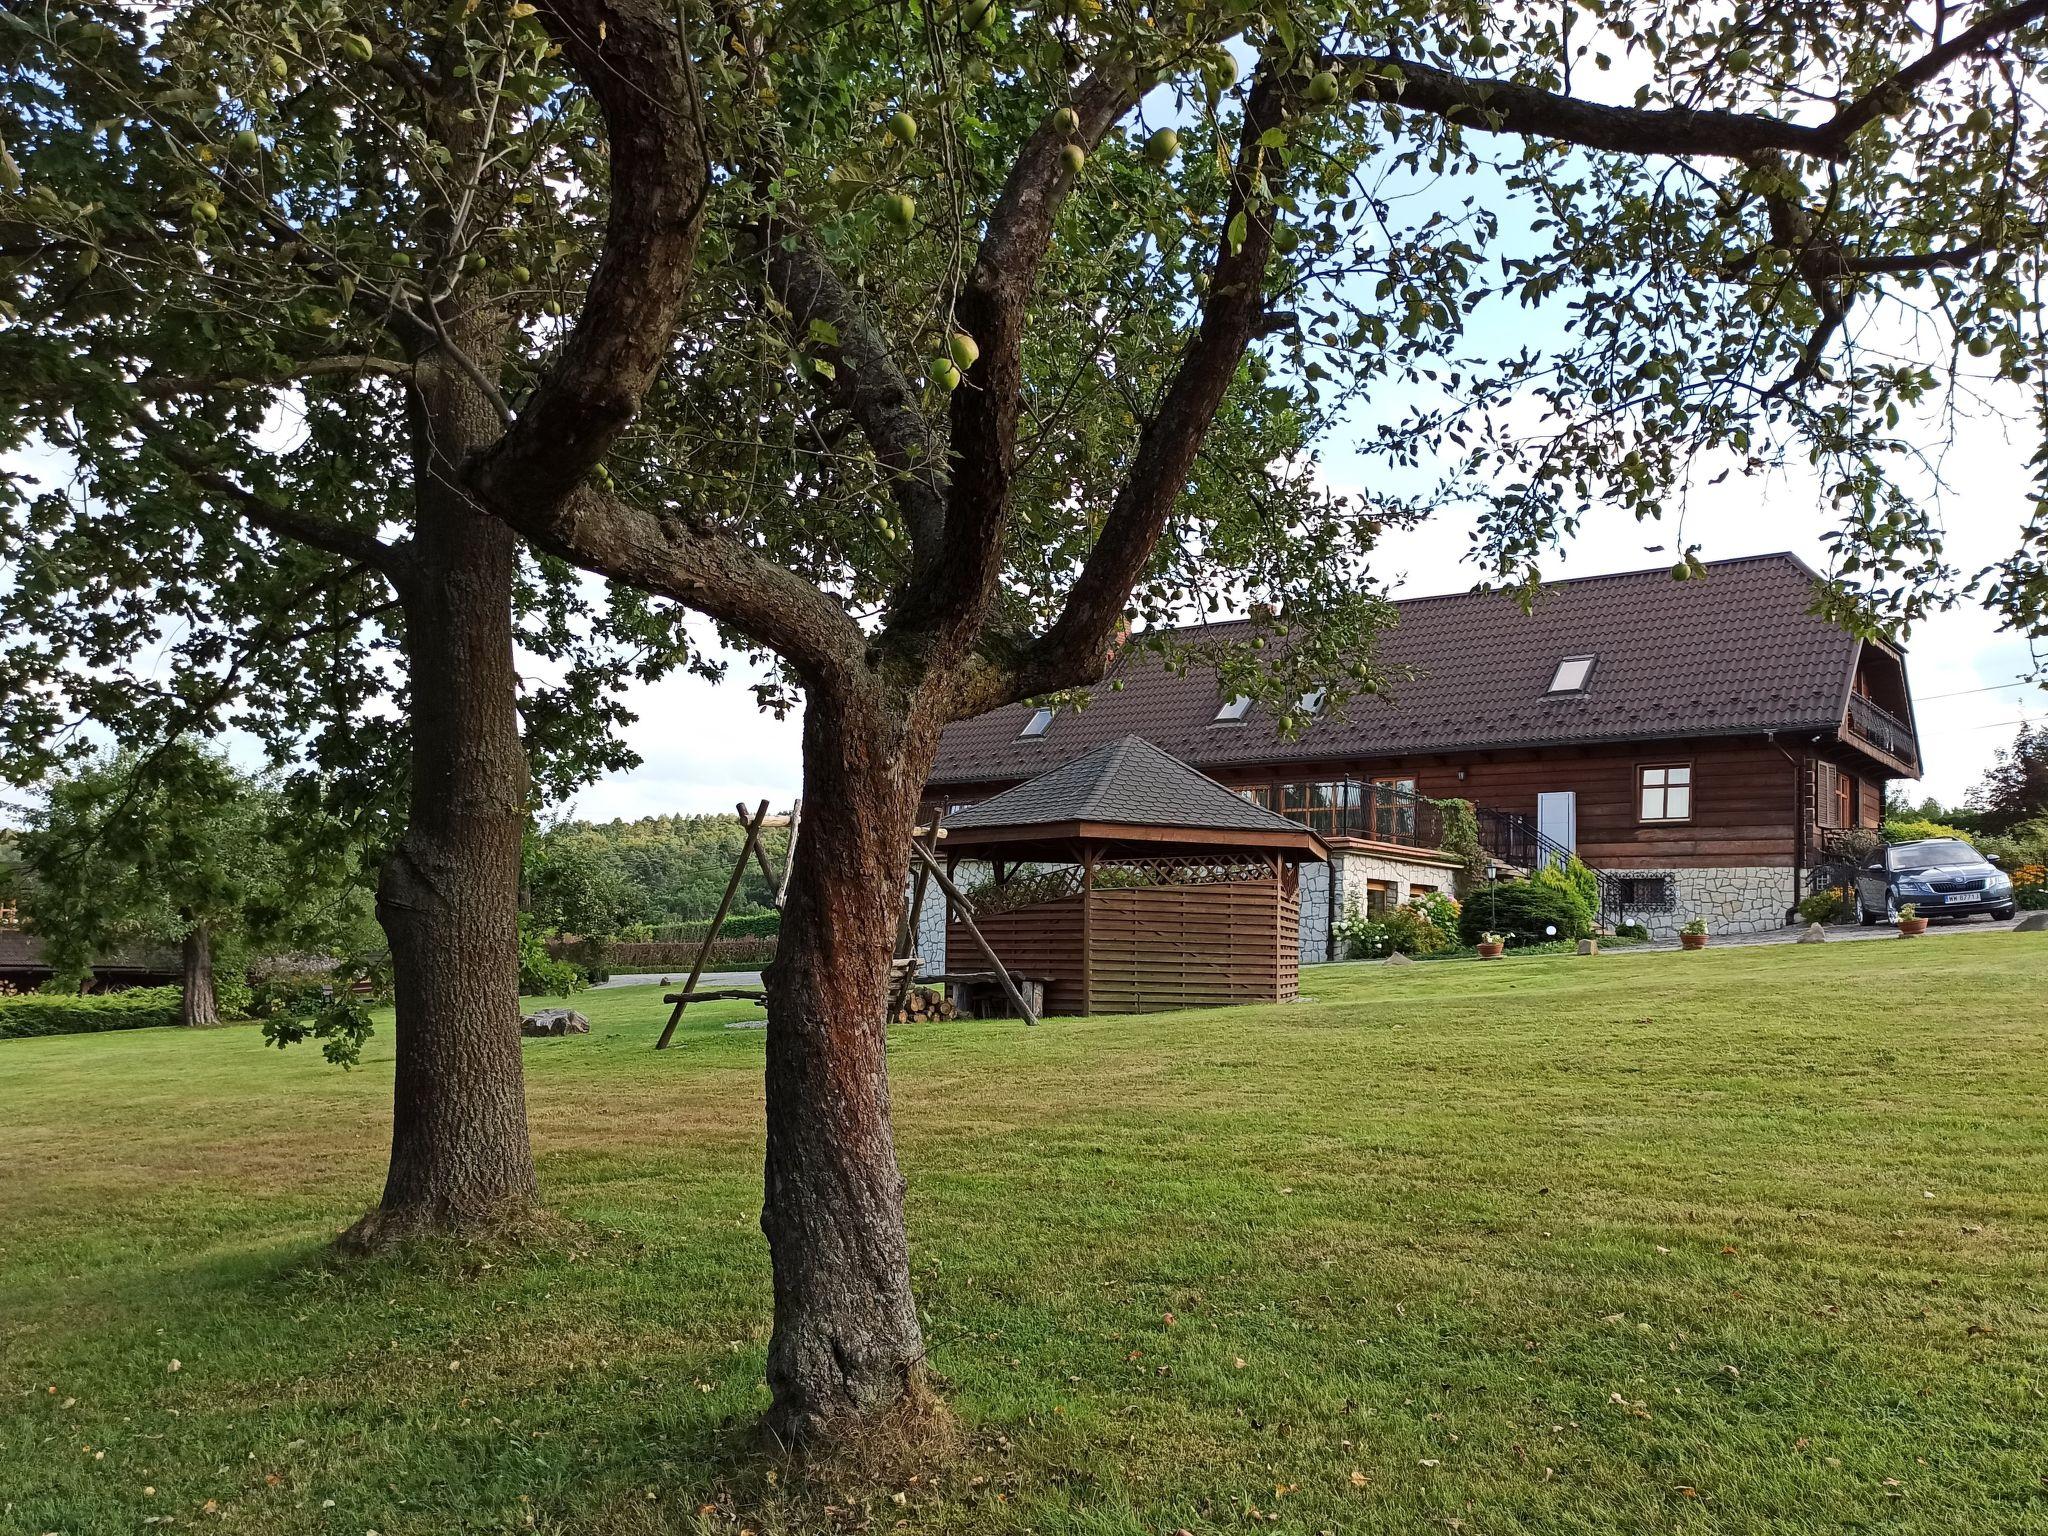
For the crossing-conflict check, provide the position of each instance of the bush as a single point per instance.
(541, 974)
(45, 1013)
(1578, 883)
(1523, 910)
(2030, 887)
(1828, 906)
(1920, 830)
(1425, 925)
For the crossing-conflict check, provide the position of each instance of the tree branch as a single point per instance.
(1507, 106)
(691, 559)
(158, 386)
(629, 56)
(992, 308)
(1074, 650)
(337, 538)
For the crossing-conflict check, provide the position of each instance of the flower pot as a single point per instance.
(1692, 941)
(1912, 927)
(1491, 951)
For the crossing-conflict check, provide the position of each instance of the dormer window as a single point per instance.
(1571, 675)
(1039, 723)
(1233, 710)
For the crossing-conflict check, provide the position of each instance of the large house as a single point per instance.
(1699, 744)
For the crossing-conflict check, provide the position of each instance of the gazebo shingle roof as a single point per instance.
(1129, 783)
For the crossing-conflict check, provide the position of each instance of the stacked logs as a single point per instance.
(924, 1004)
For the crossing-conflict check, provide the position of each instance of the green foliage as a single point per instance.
(44, 1013)
(147, 849)
(657, 878)
(1525, 912)
(541, 974)
(341, 1024)
(1832, 905)
(2014, 790)
(1580, 886)
(1922, 831)
(1460, 838)
(1424, 925)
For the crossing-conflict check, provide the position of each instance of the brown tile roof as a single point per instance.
(1736, 653)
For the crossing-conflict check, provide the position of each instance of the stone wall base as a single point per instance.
(1730, 899)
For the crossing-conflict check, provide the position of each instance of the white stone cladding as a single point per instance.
(1740, 898)
(1347, 873)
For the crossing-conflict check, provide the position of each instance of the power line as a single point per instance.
(1963, 693)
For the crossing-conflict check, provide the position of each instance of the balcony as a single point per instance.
(1384, 812)
(1875, 726)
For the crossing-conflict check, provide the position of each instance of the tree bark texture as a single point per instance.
(448, 894)
(847, 1348)
(200, 1007)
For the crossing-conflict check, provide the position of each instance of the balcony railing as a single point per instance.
(1382, 812)
(1872, 723)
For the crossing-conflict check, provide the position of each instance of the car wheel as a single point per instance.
(2003, 914)
(1863, 913)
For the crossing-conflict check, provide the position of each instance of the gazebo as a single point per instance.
(1128, 882)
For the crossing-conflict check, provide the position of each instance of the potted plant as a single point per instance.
(1693, 935)
(1911, 923)
(1491, 945)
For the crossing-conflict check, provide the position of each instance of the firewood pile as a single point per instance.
(924, 1004)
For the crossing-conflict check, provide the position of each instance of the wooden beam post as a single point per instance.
(739, 868)
(796, 826)
(965, 911)
(1087, 929)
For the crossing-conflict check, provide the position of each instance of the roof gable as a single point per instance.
(1738, 652)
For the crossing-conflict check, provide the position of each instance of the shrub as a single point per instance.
(1920, 830)
(1426, 925)
(46, 1013)
(1524, 911)
(1580, 884)
(541, 974)
(2030, 887)
(1829, 906)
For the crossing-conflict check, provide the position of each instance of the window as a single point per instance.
(1834, 796)
(1379, 897)
(1039, 723)
(1311, 702)
(1233, 710)
(1571, 675)
(1417, 892)
(10, 917)
(1644, 893)
(1666, 792)
(1259, 794)
(1393, 810)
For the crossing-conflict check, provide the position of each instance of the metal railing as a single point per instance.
(1871, 722)
(1513, 839)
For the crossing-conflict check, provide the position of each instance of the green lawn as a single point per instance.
(1749, 1240)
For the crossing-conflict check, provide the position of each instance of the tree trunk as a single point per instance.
(448, 896)
(847, 1352)
(200, 1008)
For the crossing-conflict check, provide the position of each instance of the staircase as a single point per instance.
(1516, 844)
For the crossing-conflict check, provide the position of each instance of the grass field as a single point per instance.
(1749, 1240)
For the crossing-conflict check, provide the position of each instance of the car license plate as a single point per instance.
(1949, 901)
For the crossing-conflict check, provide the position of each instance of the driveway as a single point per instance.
(678, 977)
(1837, 933)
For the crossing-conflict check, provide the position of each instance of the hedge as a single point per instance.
(52, 1013)
(1520, 911)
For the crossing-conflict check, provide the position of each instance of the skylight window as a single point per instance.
(1233, 710)
(1039, 723)
(1311, 703)
(1571, 675)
